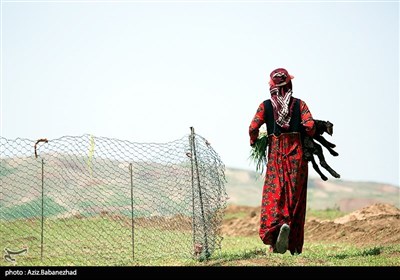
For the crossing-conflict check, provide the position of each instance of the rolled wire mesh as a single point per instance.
(97, 201)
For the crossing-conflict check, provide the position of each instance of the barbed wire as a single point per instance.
(89, 200)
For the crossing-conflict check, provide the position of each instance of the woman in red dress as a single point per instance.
(284, 194)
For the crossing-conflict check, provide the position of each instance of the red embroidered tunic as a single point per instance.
(285, 187)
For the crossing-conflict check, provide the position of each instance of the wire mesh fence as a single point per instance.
(94, 200)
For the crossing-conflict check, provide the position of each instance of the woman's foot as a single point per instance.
(282, 242)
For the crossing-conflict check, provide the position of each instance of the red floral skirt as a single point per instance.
(285, 191)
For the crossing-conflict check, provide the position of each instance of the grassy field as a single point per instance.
(239, 251)
(249, 252)
(96, 241)
(86, 242)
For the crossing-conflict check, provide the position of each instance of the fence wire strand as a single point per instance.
(93, 200)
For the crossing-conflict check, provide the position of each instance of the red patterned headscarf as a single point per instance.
(281, 93)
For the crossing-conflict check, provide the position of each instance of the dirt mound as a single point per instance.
(241, 221)
(373, 225)
(379, 210)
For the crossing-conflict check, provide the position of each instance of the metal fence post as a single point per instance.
(132, 220)
(42, 222)
(193, 193)
(194, 160)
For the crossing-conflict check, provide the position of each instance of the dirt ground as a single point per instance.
(375, 224)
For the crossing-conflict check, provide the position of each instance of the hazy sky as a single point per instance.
(146, 72)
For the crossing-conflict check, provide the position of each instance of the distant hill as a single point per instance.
(70, 189)
(244, 187)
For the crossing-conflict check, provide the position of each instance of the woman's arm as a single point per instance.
(306, 119)
(256, 123)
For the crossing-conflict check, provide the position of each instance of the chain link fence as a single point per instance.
(96, 201)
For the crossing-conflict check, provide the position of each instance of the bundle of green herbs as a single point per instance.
(258, 152)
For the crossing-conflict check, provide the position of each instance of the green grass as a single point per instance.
(100, 241)
(247, 251)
